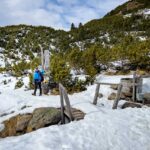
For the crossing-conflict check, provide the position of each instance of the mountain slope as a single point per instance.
(128, 23)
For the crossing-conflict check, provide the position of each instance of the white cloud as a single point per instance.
(54, 13)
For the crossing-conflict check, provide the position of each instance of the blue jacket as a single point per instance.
(37, 76)
(42, 72)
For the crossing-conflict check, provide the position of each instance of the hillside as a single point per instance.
(102, 41)
(132, 6)
(93, 67)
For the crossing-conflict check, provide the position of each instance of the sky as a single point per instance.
(58, 14)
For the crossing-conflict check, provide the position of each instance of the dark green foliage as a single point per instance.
(19, 68)
(72, 26)
(19, 84)
(2, 69)
(90, 47)
(60, 70)
(75, 59)
(31, 81)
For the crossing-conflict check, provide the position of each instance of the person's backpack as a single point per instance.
(42, 77)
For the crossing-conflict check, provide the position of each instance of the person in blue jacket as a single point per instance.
(38, 78)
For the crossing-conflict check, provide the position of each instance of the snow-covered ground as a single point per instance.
(102, 128)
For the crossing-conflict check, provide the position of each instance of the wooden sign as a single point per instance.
(46, 60)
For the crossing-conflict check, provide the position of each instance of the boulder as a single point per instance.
(112, 96)
(16, 125)
(43, 117)
(114, 87)
(21, 124)
(132, 105)
(100, 95)
(45, 88)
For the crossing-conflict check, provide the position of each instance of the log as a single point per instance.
(134, 87)
(96, 94)
(62, 106)
(64, 93)
(117, 97)
(68, 105)
(105, 83)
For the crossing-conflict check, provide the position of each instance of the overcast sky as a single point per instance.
(58, 14)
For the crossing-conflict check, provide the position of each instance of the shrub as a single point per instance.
(19, 84)
(31, 85)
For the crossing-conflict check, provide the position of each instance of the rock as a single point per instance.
(16, 125)
(112, 96)
(114, 87)
(100, 95)
(22, 122)
(45, 88)
(147, 98)
(132, 105)
(127, 89)
(43, 117)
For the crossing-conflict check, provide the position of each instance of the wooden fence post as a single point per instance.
(134, 87)
(68, 105)
(117, 97)
(96, 93)
(62, 106)
(64, 93)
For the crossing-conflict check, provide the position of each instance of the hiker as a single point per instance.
(38, 78)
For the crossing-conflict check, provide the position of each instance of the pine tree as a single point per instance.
(73, 26)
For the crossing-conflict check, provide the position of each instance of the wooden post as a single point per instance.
(68, 105)
(117, 97)
(64, 93)
(134, 87)
(62, 106)
(96, 93)
(46, 60)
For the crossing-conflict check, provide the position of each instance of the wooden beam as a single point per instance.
(117, 97)
(134, 87)
(62, 106)
(130, 84)
(68, 105)
(96, 94)
(145, 76)
(64, 93)
(105, 83)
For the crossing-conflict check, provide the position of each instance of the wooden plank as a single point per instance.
(46, 60)
(64, 92)
(96, 94)
(145, 76)
(105, 83)
(134, 87)
(62, 106)
(68, 105)
(115, 83)
(117, 97)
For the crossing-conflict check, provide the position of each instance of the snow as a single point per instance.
(17, 40)
(144, 11)
(52, 47)
(1, 49)
(142, 38)
(102, 128)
